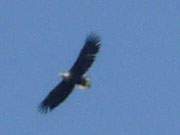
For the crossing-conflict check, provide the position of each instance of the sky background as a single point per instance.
(135, 80)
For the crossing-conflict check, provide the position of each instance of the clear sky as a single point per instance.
(135, 80)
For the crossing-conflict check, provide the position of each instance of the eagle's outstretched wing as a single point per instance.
(56, 96)
(87, 55)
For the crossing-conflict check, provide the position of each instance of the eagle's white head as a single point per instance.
(65, 75)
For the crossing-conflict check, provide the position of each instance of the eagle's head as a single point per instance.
(65, 75)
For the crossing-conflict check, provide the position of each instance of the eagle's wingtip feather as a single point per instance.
(94, 38)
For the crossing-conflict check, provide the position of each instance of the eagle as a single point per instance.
(75, 76)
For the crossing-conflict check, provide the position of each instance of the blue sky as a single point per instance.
(136, 77)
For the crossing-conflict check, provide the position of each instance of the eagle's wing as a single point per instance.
(56, 96)
(87, 55)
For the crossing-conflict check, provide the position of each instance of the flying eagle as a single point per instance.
(75, 76)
